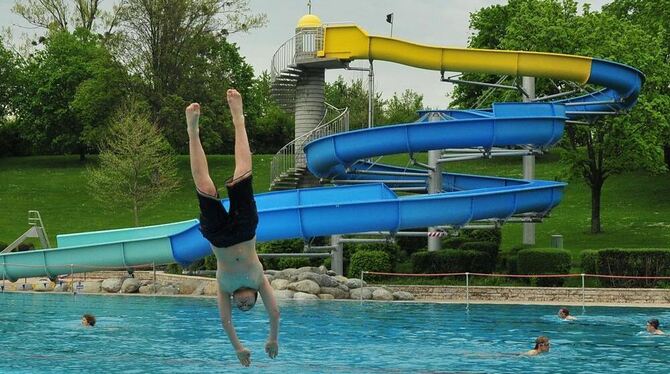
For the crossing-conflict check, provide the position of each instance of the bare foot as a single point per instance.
(192, 117)
(235, 103)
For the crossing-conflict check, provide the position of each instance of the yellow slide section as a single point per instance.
(350, 42)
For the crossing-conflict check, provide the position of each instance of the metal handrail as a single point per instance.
(288, 158)
(304, 45)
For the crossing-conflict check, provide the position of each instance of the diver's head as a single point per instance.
(563, 313)
(652, 325)
(245, 298)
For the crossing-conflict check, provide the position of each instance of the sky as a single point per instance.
(437, 22)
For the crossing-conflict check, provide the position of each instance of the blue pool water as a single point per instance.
(41, 334)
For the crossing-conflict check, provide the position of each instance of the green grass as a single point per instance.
(636, 206)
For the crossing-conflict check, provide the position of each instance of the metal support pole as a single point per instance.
(337, 259)
(2, 288)
(528, 84)
(361, 293)
(434, 186)
(583, 293)
(153, 264)
(467, 290)
(371, 95)
(72, 279)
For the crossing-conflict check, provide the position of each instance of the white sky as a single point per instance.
(438, 22)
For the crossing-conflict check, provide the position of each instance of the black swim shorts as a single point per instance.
(222, 228)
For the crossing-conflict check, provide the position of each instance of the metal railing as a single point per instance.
(303, 46)
(292, 155)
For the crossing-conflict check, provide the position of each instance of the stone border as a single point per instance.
(541, 295)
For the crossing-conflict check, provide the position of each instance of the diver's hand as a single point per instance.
(272, 348)
(244, 355)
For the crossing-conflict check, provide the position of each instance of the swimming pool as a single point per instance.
(41, 333)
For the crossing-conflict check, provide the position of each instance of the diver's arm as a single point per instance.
(225, 311)
(268, 296)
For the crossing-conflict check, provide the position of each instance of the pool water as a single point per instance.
(41, 333)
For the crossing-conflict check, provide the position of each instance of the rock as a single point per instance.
(323, 270)
(403, 295)
(308, 286)
(304, 296)
(188, 286)
(280, 284)
(43, 286)
(335, 292)
(88, 286)
(168, 290)
(284, 294)
(290, 274)
(321, 279)
(62, 287)
(308, 269)
(271, 272)
(24, 287)
(382, 294)
(206, 288)
(325, 296)
(341, 278)
(332, 273)
(355, 283)
(270, 278)
(130, 285)
(364, 293)
(148, 289)
(112, 285)
(343, 287)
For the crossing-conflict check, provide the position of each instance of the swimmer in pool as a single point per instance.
(653, 327)
(564, 314)
(541, 346)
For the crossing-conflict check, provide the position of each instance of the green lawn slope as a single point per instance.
(636, 206)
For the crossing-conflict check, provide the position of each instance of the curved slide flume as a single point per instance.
(375, 207)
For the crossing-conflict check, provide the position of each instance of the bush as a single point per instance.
(453, 242)
(545, 261)
(369, 261)
(350, 249)
(589, 261)
(509, 259)
(489, 247)
(411, 244)
(210, 262)
(292, 262)
(173, 269)
(634, 262)
(482, 235)
(451, 261)
(279, 246)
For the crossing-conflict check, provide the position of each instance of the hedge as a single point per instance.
(279, 246)
(544, 261)
(369, 261)
(451, 261)
(489, 247)
(589, 260)
(645, 262)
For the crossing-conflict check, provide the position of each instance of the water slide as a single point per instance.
(374, 206)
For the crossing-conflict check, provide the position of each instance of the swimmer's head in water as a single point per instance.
(245, 298)
(563, 313)
(88, 320)
(542, 344)
(653, 324)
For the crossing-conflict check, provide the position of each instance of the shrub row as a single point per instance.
(451, 261)
(539, 261)
(640, 262)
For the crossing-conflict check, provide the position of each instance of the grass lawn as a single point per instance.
(636, 206)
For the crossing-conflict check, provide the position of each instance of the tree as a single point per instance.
(60, 14)
(353, 96)
(68, 90)
(137, 166)
(611, 145)
(403, 108)
(271, 128)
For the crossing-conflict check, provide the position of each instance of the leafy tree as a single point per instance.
(271, 128)
(354, 96)
(403, 108)
(61, 14)
(67, 92)
(137, 165)
(611, 145)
